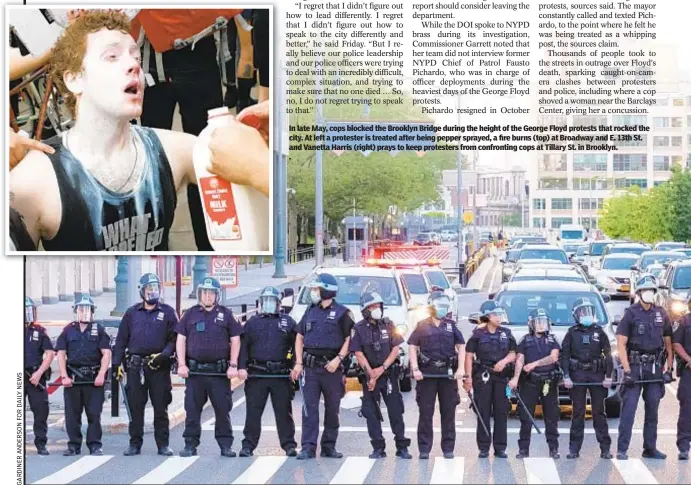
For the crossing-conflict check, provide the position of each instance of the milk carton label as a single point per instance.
(219, 207)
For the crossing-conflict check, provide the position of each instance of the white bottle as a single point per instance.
(237, 216)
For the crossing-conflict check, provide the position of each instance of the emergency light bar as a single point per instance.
(401, 263)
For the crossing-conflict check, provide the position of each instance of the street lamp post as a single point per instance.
(280, 181)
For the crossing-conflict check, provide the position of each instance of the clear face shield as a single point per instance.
(268, 304)
(586, 315)
(84, 314)
(207, 297)
(315, 293)
(499, 317)
(29, 314)
(152, 292)
(541, 324)
(442, 307)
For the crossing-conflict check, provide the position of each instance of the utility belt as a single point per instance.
(218, 367)
(597, 365)
(310, 360)
(540, 378)
(487, 370)
(637, 357)
(83, 373)
(449, 363)
(268, 367)
(393, 371)
(136, 362)
(46, 375)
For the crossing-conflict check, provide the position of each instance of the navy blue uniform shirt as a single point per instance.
(83, 348)
(36, 342)
(145, 332)
(267, 338)
(208, 332)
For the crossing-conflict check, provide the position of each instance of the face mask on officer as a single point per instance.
(586, 316)
(541, 324)
(315, 296)
(269, 305)
(441, 307)
(375, 312)
(208, 298)
(84, 314)
(647, 296)
(152, 293)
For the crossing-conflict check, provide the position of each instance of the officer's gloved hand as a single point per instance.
(667, 377)
(607, 383)
(628, 380)
(119, 373)
(568, 383)
(157, 360)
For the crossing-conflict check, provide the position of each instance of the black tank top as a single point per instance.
(94, 218)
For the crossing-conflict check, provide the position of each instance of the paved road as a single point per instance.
(270, 466)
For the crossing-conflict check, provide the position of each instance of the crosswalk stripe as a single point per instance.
(168, 470)
(541, 470)
(386, 429)
(352, 400)
(354, 470)
(671, 389)
(209, 425)
(76, 470)
(634, 470)
(261, 470)
(448, 471)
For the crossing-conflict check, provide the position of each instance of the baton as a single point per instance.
(124, 399)
(212, 374)
(646, 381)
(437, 376)
(268, 376)
(301, 383)
(39, 385)
(525, 408)
(477, 411)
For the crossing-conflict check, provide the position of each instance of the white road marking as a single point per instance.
(541, 470)
(261, 470)
(634, 471)
(352, 400)
(167, 470)
(354, 470)
(448, 471)
(386, 429)
(672, 389)
(76, 470)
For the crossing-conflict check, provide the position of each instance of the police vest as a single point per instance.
(646, 330)
(270, 337)
(492, 347)
(686, 323)
(83, 348)
(537, 348)
(373, 337)
(438, 343)
(586, 343)
(324, 330)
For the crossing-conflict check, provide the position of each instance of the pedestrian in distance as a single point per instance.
(537, 376)
(644, 342)
(490, 354)
(208, 348)
(84, 358)
(38, 355)
(145, 345)
(376, 344)
(321, 347)
(586, 357)
(436, 348)
(267, 345)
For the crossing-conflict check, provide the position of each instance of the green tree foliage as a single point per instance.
(659, 214)
(511, 220)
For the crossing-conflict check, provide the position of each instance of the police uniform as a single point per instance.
(532, 387)
(489, 387)
(586, 357)
(438, 355)
(143, 333)
(325, 331)
(208, 335)
(266, 342)
(682, 336)
(645, 347)
(36, 342)
(84, 353)
(375, 341)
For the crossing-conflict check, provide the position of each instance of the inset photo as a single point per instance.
(140, 130)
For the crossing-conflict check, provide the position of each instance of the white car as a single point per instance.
(416, 284)
(449, 235)
(437, 278)
(352, 282)
(615, 274)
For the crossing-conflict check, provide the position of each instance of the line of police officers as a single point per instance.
(210, 351)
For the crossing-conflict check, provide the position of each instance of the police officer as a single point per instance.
(321, 346)
(375, 343)
(441, 347)
(538, 355)
(586, 358)
(208, 347)
(681, 342)
(84, 357)
(147, 333)
(267, 344)
(644, 342)
(489, 358)
(38, 354)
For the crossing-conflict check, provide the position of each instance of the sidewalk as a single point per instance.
(477, 279)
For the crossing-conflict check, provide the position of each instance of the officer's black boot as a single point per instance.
(523, 454)
(291, 451)
(132, 450)
(404, 453)
(654, 454)
(228, 452)
(683, 455)
(72, 451)
(189, 451)
(448, 455)
(483, 454)
(42, 450)
(554, 454)
(306, 454)
(377, 453)
(573, 455)
(96, 451)
(165, 451)
(605, 455)
(500, 454)
(621, 455)
(424, 455)
(245, 452)
(331, 453)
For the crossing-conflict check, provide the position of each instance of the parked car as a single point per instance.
(669, 245)
(615, 274)
(647, 259)
(673, 289)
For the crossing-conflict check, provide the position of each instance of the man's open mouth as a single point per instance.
(132, 88)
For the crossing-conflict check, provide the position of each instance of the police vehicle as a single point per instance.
(383, 277)
(557, 298)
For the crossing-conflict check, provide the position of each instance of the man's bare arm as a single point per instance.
(179, 148)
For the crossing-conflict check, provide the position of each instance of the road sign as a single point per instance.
(225, 270)
(468, 217)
